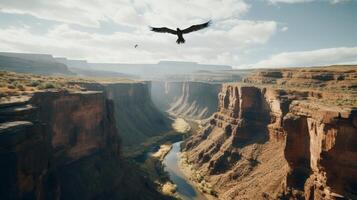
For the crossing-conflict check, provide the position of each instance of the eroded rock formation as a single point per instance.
(62, 145)
(137, 118)
(266, 143)
(326, 167)
(192, 100)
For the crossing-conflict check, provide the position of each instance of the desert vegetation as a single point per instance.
(15, 84)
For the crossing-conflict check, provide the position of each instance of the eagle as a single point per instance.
(180, 32)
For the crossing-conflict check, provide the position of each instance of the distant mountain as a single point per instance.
(47, 64)
(79, 64)
(30, 56)
(83, 68)
(102, 74)
(145, 71)
(163, 68)
(32, 63)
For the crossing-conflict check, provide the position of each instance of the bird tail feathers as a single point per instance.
(180, 40)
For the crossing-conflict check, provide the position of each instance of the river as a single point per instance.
(184, 187)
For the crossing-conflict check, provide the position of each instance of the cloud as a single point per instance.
(305, 1)
(220, 44)
(289, 1)
(338, 1)
(284, 29)
(227, 37)
(320, 57)
(127, 12)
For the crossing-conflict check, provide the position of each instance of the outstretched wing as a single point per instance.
(196, 27)
(163, 30)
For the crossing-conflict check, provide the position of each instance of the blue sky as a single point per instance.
(311, 26)
(245, 33)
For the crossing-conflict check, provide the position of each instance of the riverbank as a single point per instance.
(196, 178)
(155, 169)
(162, 164)
(152, 157)
(184, 189)
(181, 125)
(193, 176)
(167, 187)
(162, 152)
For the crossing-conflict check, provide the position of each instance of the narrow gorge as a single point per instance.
(265, 137)
(191, 100)
(75, 142)
(266, 142)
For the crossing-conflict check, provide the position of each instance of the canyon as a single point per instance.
(137, 118)
(277, 134)
(191, 100)
(279, 142)
(65, 145)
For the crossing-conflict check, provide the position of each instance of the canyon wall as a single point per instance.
(65, 145)
(326, 167)
(137, 118)
(266, 143)
(193, 100)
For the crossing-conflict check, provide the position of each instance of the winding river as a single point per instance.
(184, 187)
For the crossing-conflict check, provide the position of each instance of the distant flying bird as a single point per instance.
(180, 32)
(136, 46)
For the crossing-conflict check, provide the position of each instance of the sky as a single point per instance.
(243, 34)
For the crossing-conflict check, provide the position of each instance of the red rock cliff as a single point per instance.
(192, 100)
(60, 128)
(137, 118)
(266, 143)
(61, 145)
(321, 150)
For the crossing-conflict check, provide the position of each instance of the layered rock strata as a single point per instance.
(266, 143)
(62, 145)
(191, 100)
(136, 116)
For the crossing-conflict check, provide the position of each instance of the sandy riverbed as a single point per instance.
(180, 125)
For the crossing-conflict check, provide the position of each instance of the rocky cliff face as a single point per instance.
(137, 118)
(61, 145)
(326, 167)
(194, 100)
(332, 77)
(266, 143)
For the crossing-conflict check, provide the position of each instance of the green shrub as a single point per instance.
(46, 85)
(20, 87)
(11, 86)
(34, 83)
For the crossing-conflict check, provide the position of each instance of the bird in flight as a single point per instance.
(135, 46)
(180, 32)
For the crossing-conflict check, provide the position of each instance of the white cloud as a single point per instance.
(211, 46)
(227, 37)
(127, 12)
(338, 1)
(228, 41)
(289, 1)
(320, 57)
(305, 1)
(284, 29)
